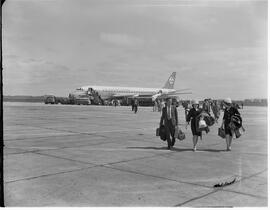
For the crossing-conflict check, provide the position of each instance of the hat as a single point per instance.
(228, 100)
(195, 102)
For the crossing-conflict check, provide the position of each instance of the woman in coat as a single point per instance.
(229, 111)
(193, 113)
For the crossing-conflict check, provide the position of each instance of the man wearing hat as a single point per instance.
(169, 118)
(228, 113)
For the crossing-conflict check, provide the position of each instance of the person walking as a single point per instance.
(136, 103)
(216, 110)
(229, 111)
(132, 104)
(194, 112)
(155, 106)
(169, 118)
(206, 106)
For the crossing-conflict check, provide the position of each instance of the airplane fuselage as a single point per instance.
(110, 91)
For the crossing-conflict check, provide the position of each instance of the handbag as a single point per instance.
(237, 133)
(209, 120)
(162, 132)
(157, 132)
(179, 134)
(221, 133)
(202, 123)
(176, 131)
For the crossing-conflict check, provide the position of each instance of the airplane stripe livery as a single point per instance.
(107, 92)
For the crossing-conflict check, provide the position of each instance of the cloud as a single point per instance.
(122, 40)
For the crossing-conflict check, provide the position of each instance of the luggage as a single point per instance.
(157, 132)
(202, 124)
(237, 133)
(209, 120)
(162, 132)
(236, 120)
(179, 134)
(221, 133)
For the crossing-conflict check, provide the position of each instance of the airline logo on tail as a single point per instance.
(170, 82)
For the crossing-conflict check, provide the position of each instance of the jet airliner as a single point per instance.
(107, 92)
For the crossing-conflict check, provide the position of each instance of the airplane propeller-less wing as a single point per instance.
(160, 95)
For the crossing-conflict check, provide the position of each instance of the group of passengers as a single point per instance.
(200, 119)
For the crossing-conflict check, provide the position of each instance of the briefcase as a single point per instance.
(221, 133)
(157, 132)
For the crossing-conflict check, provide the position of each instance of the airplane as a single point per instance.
(108, 92)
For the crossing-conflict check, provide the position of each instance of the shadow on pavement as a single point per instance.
(212, 150)
(178, 149)
(156, 148)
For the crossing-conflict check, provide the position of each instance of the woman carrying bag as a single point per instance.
(229, 111)
(193, 113)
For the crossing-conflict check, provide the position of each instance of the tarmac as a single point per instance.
(92, 156)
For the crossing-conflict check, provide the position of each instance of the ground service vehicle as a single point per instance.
(84, 100)
(50, 99)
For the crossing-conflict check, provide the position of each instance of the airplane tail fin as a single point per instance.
(170, 82)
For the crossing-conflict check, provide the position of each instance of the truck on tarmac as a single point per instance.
(50, 99)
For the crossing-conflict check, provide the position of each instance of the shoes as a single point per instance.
(173, 142)
(229, 148)
(194, 149)
(169, 147)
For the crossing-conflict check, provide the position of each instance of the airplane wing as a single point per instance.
(176, 94)
(123, 95)
(180, 90)
(165, 95)
(131, 96)
(153, 97)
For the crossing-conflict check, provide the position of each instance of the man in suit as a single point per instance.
(169, 118)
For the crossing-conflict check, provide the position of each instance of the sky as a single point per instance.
(217, 48)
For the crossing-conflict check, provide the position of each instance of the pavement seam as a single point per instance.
(222, 189)
(247, 177)
(93, 165)
(248, 194)
(123, 161)
(83, 133)
(135, 172)
(63, 158)
(29, 151)
(41, 137)
(52, 174)
(196, 198)
(159, 177)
